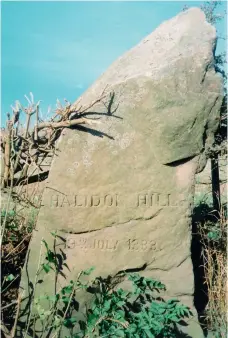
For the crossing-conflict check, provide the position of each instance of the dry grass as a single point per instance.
(19, 221)
(214, 241)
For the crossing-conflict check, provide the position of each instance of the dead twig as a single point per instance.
(5, 330)
(19, 149)
(14, 249)
(16, 317)
(67, 124)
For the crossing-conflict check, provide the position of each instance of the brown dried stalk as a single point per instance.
(67, 123)
(7, 152)
(4, 330)
(13, 331)
(215, 266)
(23, 142)
(22, 158)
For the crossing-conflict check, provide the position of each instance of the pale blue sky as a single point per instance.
(58, 49)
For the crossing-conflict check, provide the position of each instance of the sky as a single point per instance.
(58, 49)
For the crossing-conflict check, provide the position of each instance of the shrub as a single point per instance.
(113, 312)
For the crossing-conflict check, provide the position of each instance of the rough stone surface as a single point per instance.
(122, 195)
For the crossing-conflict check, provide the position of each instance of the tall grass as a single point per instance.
(214, 241)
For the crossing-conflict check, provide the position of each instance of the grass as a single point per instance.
(214, 240)
(210, 236)
(15, 241)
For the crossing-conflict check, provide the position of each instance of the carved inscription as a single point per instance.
(115, 200)
(84, 201)
(136, 245)
(99, 244)
(161, 200)
(142, 245)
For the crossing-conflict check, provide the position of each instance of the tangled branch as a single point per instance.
(31, 146)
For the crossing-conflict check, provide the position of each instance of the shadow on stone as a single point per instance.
(93, 132)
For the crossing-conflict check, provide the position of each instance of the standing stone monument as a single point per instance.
(121, 195)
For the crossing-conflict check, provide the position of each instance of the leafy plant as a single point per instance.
(138, 313)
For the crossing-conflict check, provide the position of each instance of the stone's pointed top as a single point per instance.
(186, 35)
(190, 15)
(169, 76)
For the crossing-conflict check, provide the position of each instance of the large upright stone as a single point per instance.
(122, 195)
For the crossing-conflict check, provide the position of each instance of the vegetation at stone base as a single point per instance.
(113, 312)
(135, 314)
(13, 251)
(210, 234)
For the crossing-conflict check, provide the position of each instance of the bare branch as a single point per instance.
(67, 123)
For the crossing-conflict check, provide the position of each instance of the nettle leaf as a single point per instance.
(43, 297)
(57, 321)
(67, 289)
(175, 318)
(213, 235)
(188, 312)
(149, 334)
(3, 213)
(134, 277)
(107, 305)
(54, 234)
(91, 320)
(65, 299)
(88, 271)
(172, 300)
(119, 314)
(120, 303)
(42, 313)
(96, 311)
(10, 277)
(161, 310)
(69, 322)
(137, 335)
(119, 333)
(46, 267)
(123, 294)
(137, 290)
(47, 313)
(51, 257)
(45, 243)
(40, 310)
(54, 298)
(83, 286)
(155, 284)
